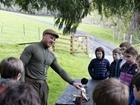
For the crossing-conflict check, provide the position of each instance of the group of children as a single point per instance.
(123, 71)
(124, 89)
(100, 68)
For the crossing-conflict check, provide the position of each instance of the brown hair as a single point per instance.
(136, 81)
(101, 50)
(19, 94)
(132, 51)
(110, 92)
(125, 44)
(138, 61)
(11, 67)
(117, 50)
(138, 57)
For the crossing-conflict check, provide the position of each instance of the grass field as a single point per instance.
(18, 28)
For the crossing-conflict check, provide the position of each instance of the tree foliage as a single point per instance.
(69, 13)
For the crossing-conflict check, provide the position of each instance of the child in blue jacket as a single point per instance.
(99, 67)
(115, 65)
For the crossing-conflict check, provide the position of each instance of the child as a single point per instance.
(99, 66)
(10, 71)
(138, 62)
(123, 46)
(136, 89)
(132, 100)
(129, 68)
(110, 92)
(19, 94)
(114, 67)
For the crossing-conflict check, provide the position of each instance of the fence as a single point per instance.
(23, 34)
(63, 43)
(121, 37)
(19, 34)
(79, 44)
(72, 44)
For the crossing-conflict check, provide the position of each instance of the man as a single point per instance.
(36, 58)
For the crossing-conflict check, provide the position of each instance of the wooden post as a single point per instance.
(120, 31)
(23, 29)
(1, 27)
(72, 44)
(118, 37)
(124, 37)
(113, 36)
(130, 38)
(87, 38)
(39, 33)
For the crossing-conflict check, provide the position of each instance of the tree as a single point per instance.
(71, 12)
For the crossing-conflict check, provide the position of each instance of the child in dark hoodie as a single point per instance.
(99, 67)
(10, 72)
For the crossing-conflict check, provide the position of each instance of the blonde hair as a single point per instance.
(110, 92)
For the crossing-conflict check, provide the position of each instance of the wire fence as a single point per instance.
(16, 34)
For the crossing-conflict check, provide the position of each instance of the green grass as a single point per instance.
(75, 65)
(20, 28)
(99, 32)
(11, 33)
(10, 50)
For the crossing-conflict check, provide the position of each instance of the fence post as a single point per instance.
(124, 37)
(113, 36)
(72, 44)
(87, 38)
(118, 37)
(39, 33)
(130, 38)
(23, 29)
(1, 27)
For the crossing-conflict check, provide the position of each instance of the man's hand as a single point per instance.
(77, 85)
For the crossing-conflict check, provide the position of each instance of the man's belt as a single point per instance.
(34, 80)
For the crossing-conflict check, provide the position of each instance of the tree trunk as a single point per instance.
(134, 24)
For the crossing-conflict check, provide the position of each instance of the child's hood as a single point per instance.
(100, 49)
